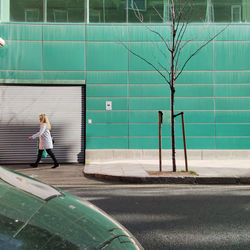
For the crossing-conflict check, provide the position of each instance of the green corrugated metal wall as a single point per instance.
(213, 92)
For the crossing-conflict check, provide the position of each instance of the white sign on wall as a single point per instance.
(108, 105)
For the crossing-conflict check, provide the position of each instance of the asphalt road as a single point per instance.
(177, 216)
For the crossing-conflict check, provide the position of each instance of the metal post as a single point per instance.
(184, 138)
(160, 123)
(184, 141)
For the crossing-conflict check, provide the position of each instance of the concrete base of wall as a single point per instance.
(146, 154)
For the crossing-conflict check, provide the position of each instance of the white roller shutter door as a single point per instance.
(20, 107)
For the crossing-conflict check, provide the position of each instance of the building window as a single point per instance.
(229, 11)
(26, 10)
(123, 11)
(65, 11)
(191, 11)
(236, 13)
(107, 11)
(137, 4)
(151, 10)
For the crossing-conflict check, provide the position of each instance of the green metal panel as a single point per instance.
(108, 117)
(242, 103)
(146, 130)
(150, 52)
(233, 33)
(64, 32)
(107, 129)
(143, 116)
(194, 90)
(232, 77)
(42, 81)
(204, 103)
(197, 129)
(21, 55)
(106, 56)
(146, 142)
(186, 77)
(106, 142)
(155, 54)
(199, 32)
(21, 32)
(215, 79)
(139, 33)
(146, 77)
(201, 61)
(106, 33)
(63, 75)
(107, 77)
(197, 116)
(148, 116)
(232, 55)
(195, 77)
(152, 142)
(232, 129)
(13, 74)
(200, 142)
(149, 103)
(233, 143)
(233, 116)
(156, 90)
(107, 90)
(100, 103)
(239, 90)
(63, 56)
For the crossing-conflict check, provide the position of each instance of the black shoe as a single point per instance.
(56, 165)
(33, 165)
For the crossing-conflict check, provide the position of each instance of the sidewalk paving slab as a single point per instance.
(137, 171)
(208, 172)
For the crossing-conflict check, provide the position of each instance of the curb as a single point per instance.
(172, 180)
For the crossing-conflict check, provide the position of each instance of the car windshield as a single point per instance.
(36, 188)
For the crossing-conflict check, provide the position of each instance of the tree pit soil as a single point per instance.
(170, 173)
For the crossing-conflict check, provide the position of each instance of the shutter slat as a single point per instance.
(20, 107)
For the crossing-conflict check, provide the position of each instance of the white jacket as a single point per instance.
(45, 140)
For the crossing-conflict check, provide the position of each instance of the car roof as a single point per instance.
(33, 187)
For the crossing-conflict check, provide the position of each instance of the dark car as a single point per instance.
(34, 215)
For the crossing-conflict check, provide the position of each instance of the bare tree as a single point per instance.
(180, 12)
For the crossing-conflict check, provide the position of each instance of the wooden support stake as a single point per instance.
(160, 123)
(184, 141)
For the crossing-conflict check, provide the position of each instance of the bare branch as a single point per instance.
(179, 47)
(163, 53)
(180, 15)
(145, 60)
(184, 24)
(139, 16)
(159, 14)
(199, 49)
(166, 70)
(137, 13)
(181, 31)
(157, 33)
(180, 37)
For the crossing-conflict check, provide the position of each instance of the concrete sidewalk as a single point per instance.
(67, 175)
(208, 172)
(135, 171)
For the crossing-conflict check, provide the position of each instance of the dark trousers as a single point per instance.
(51, 154)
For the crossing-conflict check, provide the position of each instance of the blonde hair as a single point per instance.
(44, 119)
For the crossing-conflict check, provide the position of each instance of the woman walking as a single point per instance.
(45, 141)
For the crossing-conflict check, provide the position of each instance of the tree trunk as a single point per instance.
(172, 87)
(173, 130)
